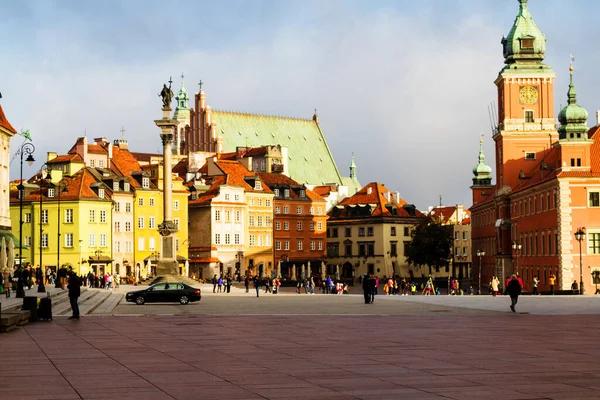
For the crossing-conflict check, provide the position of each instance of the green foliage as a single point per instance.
(431, 244)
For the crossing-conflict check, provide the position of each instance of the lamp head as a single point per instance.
(30, 160)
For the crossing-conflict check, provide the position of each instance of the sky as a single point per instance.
(404, 85)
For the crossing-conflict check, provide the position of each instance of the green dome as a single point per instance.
(525, 42)
(482, 170)
(572, 117)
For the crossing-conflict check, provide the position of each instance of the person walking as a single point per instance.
(536, 282)
(214, 282)
(74, 286)
(514, 290)
(257, 285)
(365, 287)
(8, 281)
(575, 287)
(552, 281)
(219, 284)
(495, 283)
(228, 283)
(247, 283)
(372, 282)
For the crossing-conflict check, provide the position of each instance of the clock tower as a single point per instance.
(526, 125)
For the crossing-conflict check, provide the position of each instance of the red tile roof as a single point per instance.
(377, 194)
(96, 149)
(324, 191)
(4, 122)
(206, 197)
(284, 180)
(66, 158)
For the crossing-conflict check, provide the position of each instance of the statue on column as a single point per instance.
(167, 95)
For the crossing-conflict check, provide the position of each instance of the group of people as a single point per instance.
(222, 284)
(102, 281)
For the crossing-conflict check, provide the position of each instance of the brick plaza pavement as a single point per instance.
(422, 351)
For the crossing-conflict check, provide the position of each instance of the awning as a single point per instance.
(6, 234)
(100, 260)
(205, 260)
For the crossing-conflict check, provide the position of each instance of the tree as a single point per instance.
(431, 244)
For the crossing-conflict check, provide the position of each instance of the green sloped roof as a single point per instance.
(309, 158)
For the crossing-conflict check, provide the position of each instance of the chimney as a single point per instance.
(597, 117)
(51, 156)
(202, 100)
(397, 197)
(369, 190)
(387, 196)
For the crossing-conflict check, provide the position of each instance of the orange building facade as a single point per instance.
(547, 182)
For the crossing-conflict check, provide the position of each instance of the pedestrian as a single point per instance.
(514, 290)
(214, 282)
(365, 287)
(219, 284)
(7, 281)
(372, 289)
(246, 283)
(257, 285)
(74, 286)
(552, 281)
(536, 282)
(228, 283)
(575, 287)
(495, 283)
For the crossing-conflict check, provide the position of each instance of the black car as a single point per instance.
(165, 292)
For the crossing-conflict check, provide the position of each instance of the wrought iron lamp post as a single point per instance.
(27, 148)
(579, 236)
(517, 248)
(480, 254)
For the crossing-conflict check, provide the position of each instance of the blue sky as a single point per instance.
(403, 84)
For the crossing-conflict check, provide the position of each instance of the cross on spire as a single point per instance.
(122, 132)
(182, 76)
(170, 81)
(200, 86)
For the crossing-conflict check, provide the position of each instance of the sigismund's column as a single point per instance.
(167, 264)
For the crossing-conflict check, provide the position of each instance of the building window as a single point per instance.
(151, 202)
(141, 244)
(44, 216)
(260, 240)
(312, 226)
(51, 192)
(226, 196)
(260, 202)
(228, 238)
(117, 226)
(28, 217)
(299, 226)
(227, 215)
(335, 232)
(370, 249)
(176, 222)
(277, 245)
(252, 201)
(126, 187)
(319, 226)
(257, 185)
(370, 231)
(465, 235)
(141, 201)
(251, 220)
(267, 202)
(286, 193)
(236, 238)
(349, 250)
(252, 240)
(286, 245)
(530, 156)
(319, 210)
(268, 240)
(529, 116)
(217, 215)
(101, 193)
(312, 245)
(152, 222)
(103, 216)
(268, 220)
(68, 240)
(44, 240)
(103, 240)
(145, 183)
(277, 210)
(406, 244)
(593, 243)
(299, 245)
(115, 186)
(362, 249)
(311, 211)
(319, 245)
(217, 238)
(286, 226)
(393, 249)
(361, 231)
(140, 222)
(175, 205)
(527, 44)
(594, 199)
(276, 192)
(127, 226)
(393, 231)
(27, 240)
(128, 247)
(127, 207)
(117, 206)
(406, 231)
(92, 215)
(237, 216)
(236, 197)
(259, 220)
(92, 240)
(299, 210)
(286, 210)
(277, 225)
(117, 246)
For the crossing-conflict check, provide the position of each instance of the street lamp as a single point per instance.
(517, 247)
(28, 148)
(41, 287)
(480, 254)
(579, 236)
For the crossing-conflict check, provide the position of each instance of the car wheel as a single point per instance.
(139, 300)
(184, 300)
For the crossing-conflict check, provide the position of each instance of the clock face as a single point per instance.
(528, 95)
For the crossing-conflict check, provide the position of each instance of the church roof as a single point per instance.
(5, 124)
(303, 138)
(378, 197)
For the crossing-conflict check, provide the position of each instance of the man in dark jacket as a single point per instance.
(514, 290)
(365, 287)
(74, 287)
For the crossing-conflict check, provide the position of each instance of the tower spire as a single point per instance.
(482, 172)
(572, 117)
(353, 170)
